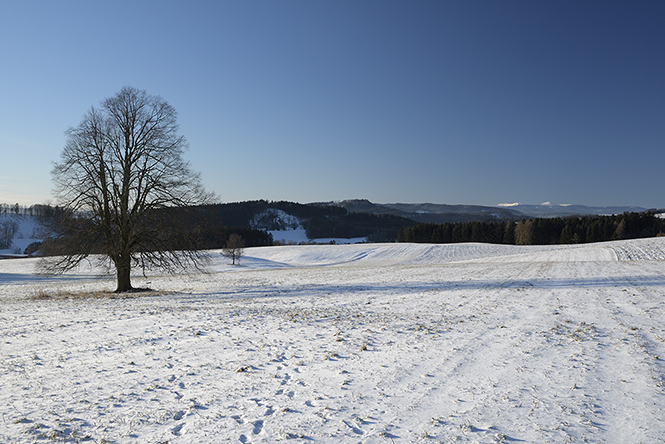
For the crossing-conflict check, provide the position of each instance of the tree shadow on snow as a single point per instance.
(441, 286)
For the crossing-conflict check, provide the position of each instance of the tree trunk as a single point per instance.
(124, 268)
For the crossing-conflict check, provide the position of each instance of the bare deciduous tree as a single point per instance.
(234, 248)
(120, 176)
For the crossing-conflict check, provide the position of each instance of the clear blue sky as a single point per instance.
(474, 102)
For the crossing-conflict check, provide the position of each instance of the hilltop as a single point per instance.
(444, 213)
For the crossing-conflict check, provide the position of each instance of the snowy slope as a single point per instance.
(352, 343)
(288, 229)
(28, 230)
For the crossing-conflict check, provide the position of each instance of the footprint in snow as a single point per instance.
(353, 428)
(176, 430)
(258, 425)
(178, 416)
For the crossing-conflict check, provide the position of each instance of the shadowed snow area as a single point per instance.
(368, 343)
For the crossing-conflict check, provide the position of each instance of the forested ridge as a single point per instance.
(540, 231)
(211, 225)
(318, 220)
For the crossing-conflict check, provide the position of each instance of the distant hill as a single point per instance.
(548, 209)
(443, 213)
(318, 220)
(430, 213)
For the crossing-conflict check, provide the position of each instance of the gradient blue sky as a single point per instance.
(474, 102)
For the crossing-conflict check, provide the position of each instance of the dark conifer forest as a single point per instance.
(546, 231)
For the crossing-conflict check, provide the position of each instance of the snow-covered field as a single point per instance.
(346, 343)
(299, 236)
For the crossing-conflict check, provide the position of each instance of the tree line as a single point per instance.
(376, 227)
(319, 220)
(22, 210)
(539, 231)
(171, 229)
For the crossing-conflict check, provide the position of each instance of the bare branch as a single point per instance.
(122, 166)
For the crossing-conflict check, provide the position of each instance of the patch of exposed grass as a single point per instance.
(56, 294)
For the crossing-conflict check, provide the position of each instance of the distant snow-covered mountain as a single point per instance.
(441, 213)
(549, 209)
(428, 212)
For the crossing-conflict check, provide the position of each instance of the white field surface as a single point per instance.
(347, 343)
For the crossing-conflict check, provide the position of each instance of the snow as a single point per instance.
(28, 231)
(287, 229)
(295, 236)
(369, 343)
(273, 218)
(339, 240)
(299, 236)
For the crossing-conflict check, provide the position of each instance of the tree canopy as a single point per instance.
(119, 174)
